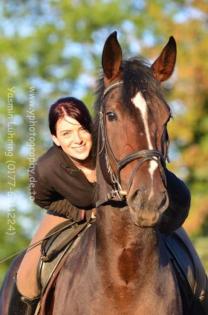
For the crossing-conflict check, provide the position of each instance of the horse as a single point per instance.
(121, 265)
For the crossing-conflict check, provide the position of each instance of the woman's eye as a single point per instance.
(67, 133)
(111, 116)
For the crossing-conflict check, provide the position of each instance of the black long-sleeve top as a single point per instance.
(179, 204)
(58, 186)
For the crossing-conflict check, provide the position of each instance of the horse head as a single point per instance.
(133, 129)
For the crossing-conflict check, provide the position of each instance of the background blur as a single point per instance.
(50, 49)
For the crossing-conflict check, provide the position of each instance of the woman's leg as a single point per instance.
(27, 272)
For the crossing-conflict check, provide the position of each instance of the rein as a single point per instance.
(117, 194)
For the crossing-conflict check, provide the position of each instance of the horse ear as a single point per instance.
(164, 65)
(111, 57)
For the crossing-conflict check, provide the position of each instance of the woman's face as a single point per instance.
(75, 141)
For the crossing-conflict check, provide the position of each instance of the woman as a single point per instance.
(62, 181)
(65, 185)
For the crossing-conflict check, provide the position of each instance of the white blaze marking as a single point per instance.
(140, 103)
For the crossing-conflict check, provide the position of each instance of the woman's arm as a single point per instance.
(179, 204)
(63, 208)
(46, 197)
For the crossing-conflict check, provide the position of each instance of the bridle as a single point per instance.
(117, 193)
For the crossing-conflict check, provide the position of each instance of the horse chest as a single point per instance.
(146, 303)
(151, 298)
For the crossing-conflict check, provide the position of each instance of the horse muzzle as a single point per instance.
(146, 207)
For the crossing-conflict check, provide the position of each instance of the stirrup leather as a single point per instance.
(31, 304)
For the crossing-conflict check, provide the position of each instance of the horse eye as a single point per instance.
(111, 116)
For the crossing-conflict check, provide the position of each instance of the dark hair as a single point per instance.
(72, 107)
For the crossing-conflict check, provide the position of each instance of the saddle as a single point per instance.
(58, 243)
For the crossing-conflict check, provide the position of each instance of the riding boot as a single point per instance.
(21, 305)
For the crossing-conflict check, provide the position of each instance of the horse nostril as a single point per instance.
(137, 199)
(164, 202)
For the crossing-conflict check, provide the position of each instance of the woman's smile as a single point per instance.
(79, 148)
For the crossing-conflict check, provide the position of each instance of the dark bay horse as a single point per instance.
(121, 267)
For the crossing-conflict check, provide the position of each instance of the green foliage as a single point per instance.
(54, 49)
(201, 244)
